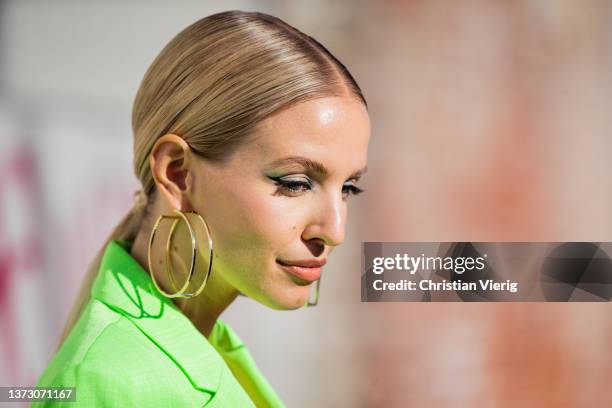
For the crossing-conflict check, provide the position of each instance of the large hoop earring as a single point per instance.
(177, 217)
(316, 295)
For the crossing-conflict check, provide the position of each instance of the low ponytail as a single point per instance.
(126, 230)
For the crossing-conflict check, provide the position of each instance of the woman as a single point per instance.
(249, 139)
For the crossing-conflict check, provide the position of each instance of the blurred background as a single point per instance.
(491, 122)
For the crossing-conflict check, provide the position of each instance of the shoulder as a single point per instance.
(111, 363)
(106, 338)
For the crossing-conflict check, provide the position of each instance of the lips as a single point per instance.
(308, 269)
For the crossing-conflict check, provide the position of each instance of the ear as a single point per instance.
(170, 161)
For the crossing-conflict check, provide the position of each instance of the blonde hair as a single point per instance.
(211, 84)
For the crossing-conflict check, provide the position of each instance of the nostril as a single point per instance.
(316, 246)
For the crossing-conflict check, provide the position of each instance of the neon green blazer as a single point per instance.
(132, 347)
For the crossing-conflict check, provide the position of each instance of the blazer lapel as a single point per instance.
(125, 286)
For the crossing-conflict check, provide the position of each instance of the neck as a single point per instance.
(204, 309)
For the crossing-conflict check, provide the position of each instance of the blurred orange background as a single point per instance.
(491, 122)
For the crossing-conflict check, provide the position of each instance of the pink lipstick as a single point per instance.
(308, 269)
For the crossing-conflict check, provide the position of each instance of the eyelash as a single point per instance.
(288, 186)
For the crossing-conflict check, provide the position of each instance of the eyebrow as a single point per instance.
(314, 166)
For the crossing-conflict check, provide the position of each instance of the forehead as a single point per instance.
(333, 130)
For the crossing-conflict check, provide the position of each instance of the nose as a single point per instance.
(328, 221)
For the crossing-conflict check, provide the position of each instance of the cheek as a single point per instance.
(248, 220)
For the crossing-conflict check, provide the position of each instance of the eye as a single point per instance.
(292, 185)
(351, 189)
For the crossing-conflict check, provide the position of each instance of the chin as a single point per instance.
(288, 300)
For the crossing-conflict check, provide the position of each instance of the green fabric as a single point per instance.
(132, 347)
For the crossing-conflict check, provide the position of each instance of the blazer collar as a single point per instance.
(124, 286)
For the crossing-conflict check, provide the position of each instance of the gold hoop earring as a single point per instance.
(177, 217)
(316, 295)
